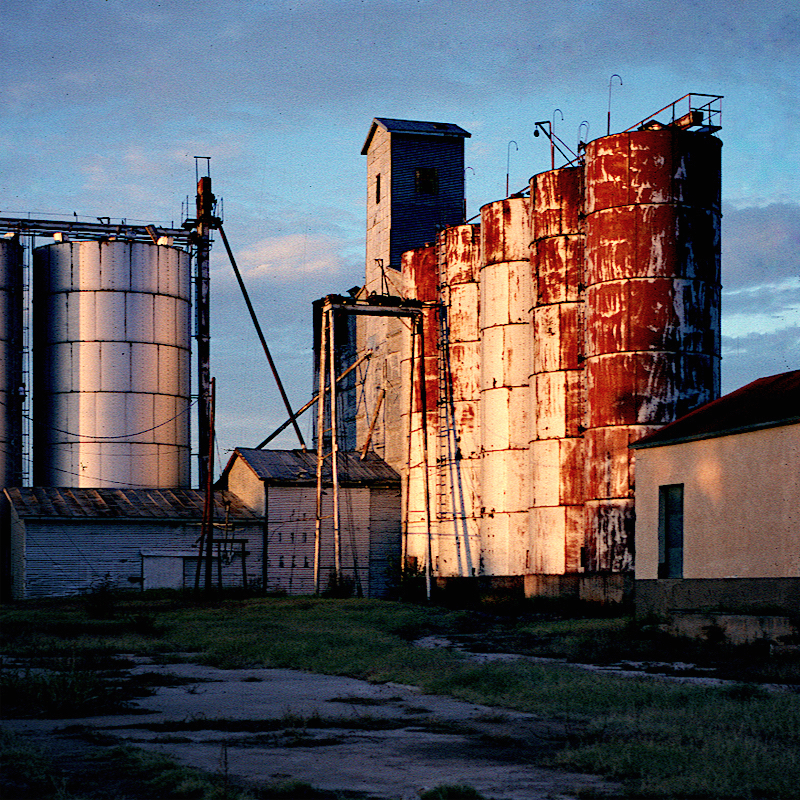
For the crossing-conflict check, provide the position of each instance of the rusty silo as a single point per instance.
(459, 459)
(505, 302)
(652, 309)
(111, 355)
(11, 384)
(557, 390)
(420, 272)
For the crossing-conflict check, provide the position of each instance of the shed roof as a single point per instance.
(300, 468)
(765, 403)
(144, 504)
(413, 127)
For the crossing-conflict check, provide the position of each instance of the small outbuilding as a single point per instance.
(718, 505)
(67, 541)
(281, 485)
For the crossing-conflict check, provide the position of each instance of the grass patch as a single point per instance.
(28, 773)
(660, 739)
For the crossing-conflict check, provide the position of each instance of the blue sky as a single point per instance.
(105, 104)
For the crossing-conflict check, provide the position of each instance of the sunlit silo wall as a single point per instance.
(652, 309)
(111, 354)
(459, 456)
(10, 362)
(420, 271)
(505, 289)
(556, 448)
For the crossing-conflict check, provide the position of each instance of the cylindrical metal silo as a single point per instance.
(111, 350)
(11, 388)
(557, 378)
(505, 302)
(419, 412)
(652, 309)
(459, 445)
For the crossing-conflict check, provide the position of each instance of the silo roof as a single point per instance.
(413, 127)
(300, 468)
(144, 504)
(765, 403)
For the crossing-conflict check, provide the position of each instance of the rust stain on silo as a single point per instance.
(651, 309)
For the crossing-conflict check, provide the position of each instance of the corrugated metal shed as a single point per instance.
(764, 403)
(300, 468)
(410, 126)
(147, 504)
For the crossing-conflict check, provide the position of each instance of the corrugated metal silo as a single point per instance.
(652, 308)
(111, 368)
(11, 362)
(557, 388)
(505, 288)
(459, 458)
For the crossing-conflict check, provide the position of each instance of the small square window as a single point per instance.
(426, 180)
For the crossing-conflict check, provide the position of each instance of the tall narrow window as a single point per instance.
(378, 188)
(426, 180)
(670, 531)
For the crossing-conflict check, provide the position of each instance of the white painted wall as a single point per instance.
(741, 504)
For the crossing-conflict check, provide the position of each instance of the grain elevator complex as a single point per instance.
(476, 397)
(514, 359)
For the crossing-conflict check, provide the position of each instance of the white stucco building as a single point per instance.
(718, 504)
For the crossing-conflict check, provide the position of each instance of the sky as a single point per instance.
(105, 105)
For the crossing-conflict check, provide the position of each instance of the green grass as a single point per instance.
(659, 739)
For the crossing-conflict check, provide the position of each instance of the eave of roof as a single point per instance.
(413, 128)
(768, 402)
(297, 467)
(129, 504)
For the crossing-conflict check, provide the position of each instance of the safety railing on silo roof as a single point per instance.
(699, 112)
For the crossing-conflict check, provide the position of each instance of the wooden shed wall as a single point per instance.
(59, 557)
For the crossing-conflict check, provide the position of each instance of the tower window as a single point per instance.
(378, 188)
(426, 180)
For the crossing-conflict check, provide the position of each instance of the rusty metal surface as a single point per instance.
(557, 379)
(459, 441)
(504, 231)
(652, 309)
(506, 297)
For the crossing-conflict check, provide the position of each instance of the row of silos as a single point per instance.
(110, 364)
(598, 320)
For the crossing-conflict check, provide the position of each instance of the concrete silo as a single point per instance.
(652, 309)
(111, 355)
(505, 302)
(557, 389)
(11, 384)
(459, 457)
(419, 414)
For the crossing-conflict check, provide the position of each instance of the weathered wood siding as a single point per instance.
(369, 538)
(60, 557)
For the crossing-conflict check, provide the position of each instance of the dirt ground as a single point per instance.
(262, 726)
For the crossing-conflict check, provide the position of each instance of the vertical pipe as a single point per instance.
(334, 448)
(410, 428)
(424, 404)
(209, 504)
(323, 343)
(205, 206)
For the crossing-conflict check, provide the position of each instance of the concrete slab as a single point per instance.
(389, 741)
